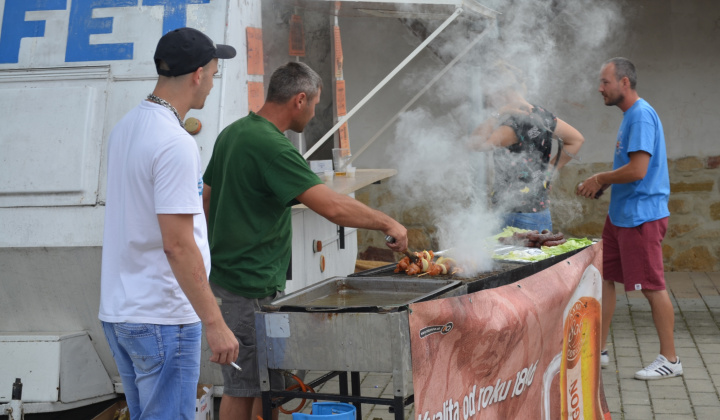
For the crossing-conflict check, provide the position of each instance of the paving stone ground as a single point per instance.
(633, 344)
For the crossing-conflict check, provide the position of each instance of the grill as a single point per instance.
(363, 294)
(501, 274)
(359, 324)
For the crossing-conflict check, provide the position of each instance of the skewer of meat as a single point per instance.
(425, 265)
(402, 265)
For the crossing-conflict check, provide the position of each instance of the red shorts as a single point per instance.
(633, 256)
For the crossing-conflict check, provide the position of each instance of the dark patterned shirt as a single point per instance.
(520, 169)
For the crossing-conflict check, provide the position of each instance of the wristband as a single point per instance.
(597, 182)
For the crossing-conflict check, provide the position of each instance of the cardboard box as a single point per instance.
(204, 407)
(114, 412)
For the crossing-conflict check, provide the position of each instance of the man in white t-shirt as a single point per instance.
(156, 259)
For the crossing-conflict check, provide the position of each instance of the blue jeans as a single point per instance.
(532, 221)
(159, 366)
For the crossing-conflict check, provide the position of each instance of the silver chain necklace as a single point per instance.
(166, 104)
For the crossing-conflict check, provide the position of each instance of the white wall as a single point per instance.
(675, 46)
(373, 47)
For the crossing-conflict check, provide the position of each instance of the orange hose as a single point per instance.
(305, 388)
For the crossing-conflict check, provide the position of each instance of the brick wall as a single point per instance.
(692, 242)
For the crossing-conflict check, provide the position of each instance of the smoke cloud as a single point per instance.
(555, 47)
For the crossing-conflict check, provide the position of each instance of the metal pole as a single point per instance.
(267, 407)
(417, 96)
(387, 78)
(14, 409)
(355, 391)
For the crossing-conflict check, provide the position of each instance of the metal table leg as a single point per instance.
(267, 404)
(343, 379)
(355, 384)
(399, 408)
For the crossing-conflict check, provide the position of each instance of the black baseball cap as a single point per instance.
(185, 50)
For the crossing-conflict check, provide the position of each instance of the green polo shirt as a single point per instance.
(255, 174)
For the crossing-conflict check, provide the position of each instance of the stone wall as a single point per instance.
(692, 242)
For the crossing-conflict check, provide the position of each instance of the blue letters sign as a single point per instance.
(81, 26)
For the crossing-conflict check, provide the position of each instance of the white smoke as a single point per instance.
(436, 173)
(557, 47)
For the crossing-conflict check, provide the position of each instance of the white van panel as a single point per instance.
(52, 145)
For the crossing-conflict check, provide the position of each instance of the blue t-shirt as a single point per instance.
(645, 200)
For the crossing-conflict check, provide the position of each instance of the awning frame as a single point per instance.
(472, 6)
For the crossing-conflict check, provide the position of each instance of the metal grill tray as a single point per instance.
(504, 272)
(389, 271)
(362, 294)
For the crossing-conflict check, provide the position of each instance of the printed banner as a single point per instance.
(344, 136)
(338, 53)
(341, 106)
(527, 350)
(254, 51)
(297, 37)
(340, 98)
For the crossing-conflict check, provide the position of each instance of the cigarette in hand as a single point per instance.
(233, 364)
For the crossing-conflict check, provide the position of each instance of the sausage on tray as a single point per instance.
(534, 239)
(554, 243)
(541, 238)
(518, 238)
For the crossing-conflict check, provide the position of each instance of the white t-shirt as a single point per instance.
(154, 167)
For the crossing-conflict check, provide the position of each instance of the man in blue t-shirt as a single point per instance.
(638, 214)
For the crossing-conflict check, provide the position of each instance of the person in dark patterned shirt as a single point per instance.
(520, 135)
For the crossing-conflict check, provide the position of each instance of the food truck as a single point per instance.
(69, 70)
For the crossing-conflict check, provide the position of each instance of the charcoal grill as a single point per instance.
(331, 327)
(502, 272)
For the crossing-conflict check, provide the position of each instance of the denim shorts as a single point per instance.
(159, 366)
(239, 315)
(532, 221)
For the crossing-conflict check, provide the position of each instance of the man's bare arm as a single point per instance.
(206, 202)
(188, 267)
(502, 136)
(634, 170)
(572, 141)
(345, 211)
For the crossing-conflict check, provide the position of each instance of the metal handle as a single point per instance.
(389, 239)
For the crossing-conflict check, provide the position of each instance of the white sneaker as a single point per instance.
(604, 359)
(661, 368)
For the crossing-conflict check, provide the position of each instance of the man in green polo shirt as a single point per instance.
(254, 177)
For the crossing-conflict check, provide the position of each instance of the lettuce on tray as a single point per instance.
(507, 232)
(535, 254)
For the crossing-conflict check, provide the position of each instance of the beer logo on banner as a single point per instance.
(575, 336)
(432, 329)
